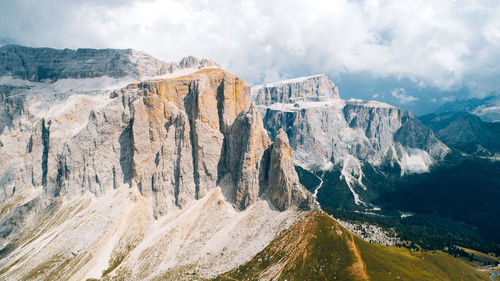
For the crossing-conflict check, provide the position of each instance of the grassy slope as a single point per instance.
(318, 248)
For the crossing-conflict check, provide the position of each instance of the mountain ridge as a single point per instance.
(465, 131)
(39, 64)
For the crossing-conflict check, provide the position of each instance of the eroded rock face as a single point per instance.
(244, 160)
(283, 182)
(171, 139)
(192, 62)
(312, 88)
(414, 134)
(163, 137)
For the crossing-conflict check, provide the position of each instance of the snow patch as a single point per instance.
(299, 105)
(103, 83)
(288, 81)
(369, 103)
(179, 73)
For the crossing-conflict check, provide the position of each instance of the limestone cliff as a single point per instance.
(163, 137)
(168, 138)
(312, 88)
(284, 187)
(261, 169)
(244, 159)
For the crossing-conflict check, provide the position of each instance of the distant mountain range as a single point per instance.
(488, 108)
(465, 132)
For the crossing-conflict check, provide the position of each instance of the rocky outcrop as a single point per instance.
(41, 64)
(192, 62)
(414, 134)
(244, 160)
(163, 137)
(312, 88)
(284, 187)
(260, 169)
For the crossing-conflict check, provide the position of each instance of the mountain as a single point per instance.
(488, 108)
(465, 132)
(327, 132)
(102, 175)
(115, 165)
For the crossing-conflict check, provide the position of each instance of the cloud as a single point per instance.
(402, 97)
(443, 44)
(448, 99)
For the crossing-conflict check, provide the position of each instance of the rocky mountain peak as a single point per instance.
(310, 88)
(193, 62)
(259, 168)
(172, 139)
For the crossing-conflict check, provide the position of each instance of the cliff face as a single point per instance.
(167, 138)
(245, 157)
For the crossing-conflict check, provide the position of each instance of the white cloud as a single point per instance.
(448, 99)
(446, 44)
(402, 97)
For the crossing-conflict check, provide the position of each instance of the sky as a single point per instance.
(411, 53)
